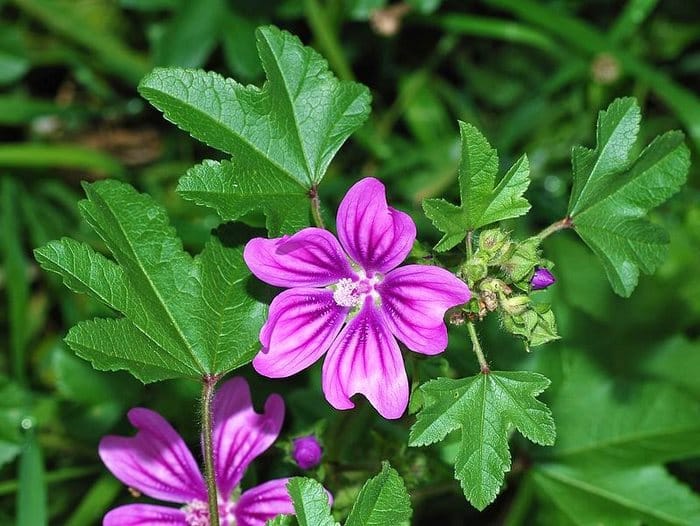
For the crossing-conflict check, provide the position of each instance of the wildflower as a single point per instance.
(364, 288)
(307, 452)
(157, 463)
(542, 278)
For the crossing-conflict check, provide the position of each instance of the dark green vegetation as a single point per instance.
(530, 76)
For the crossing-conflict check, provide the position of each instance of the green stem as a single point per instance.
(470, 235)
(562, 224)
(322, 30)
(476, 346)
(316, 207)
(208, 384)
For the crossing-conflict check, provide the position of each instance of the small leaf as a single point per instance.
(183, 316)
(382, 500)
(310, 502)
(484, 407)
(482, 200)
(287, 132)
(647, 495)
(613, 192)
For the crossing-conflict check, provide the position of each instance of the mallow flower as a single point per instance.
(348, 299)
(157, 463)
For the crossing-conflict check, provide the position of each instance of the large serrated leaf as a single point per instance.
(484, 407)
(482, 200)
(613, 192)
(183, 316)
(287, 132)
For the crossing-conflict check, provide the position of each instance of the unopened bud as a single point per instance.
(542, 278)
(515, 305)
(307, 452)
(474, 269)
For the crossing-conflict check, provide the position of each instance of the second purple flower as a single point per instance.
(354, 281)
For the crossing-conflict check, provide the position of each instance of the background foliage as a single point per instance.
(531, 76)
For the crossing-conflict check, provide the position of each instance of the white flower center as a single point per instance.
(197, 513)
(352, 293)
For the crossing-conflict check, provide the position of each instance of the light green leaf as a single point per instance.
(32, 503)
(613, 192)
(382, 500)
(484, 407)
(603, 420)
(482, 200)
(641, 495)
(310, 502)
(287, 132)
(183, 316)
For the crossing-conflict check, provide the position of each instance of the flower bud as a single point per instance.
(307, 452)
(495, 243)
(474, 269)
(515, 305)
(541, 279)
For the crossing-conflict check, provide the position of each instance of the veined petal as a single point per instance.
(375, 235)
(156, 461)
(264, 502)
(309, 258)
(303, 323)
(366, 359)
(241, 434)
(144, 515)
(414, 301)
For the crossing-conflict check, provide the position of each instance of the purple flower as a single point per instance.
(542, 278)
(157, 463)
(358, 283)
(307, 452)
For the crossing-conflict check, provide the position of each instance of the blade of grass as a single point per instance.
(94, 504)
(31, 496)
(324, 33)
(632, 16)
(30, 155)
(16, 282)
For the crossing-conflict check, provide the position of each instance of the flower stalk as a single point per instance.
(208, 385)
(476, 346)
(562, 224)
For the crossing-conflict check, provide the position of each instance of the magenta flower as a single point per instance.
(307, 452)
(358, 283)
(157, 463)
(542, 278)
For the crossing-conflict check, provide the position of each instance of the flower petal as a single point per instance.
(241, 434)
(156, 461)
(144, 515)
(264, 502)
(366, 359)
(375, 235)
(414, 301)
(309, 258)
(302, 325)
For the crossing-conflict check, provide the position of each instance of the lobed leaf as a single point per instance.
(282, 137)
(182, 316)
(613, 192)
(484, 407)
(482, 200)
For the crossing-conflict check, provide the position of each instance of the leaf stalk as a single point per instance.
(562, 224)
(316, 207)
(476, 347)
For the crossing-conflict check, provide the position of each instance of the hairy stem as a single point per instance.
(476, 346)
(562, 224)
(208, 384)
(316, 207)
(470, 235)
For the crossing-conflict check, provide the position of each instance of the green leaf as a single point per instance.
(485, 407)
(647, 495)
(382, 500)
(183, 316)
(287, 132)
(31, 496)
(613, 191)
(603, 419)
(234, 192)
(310, 502)
(482, 200)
